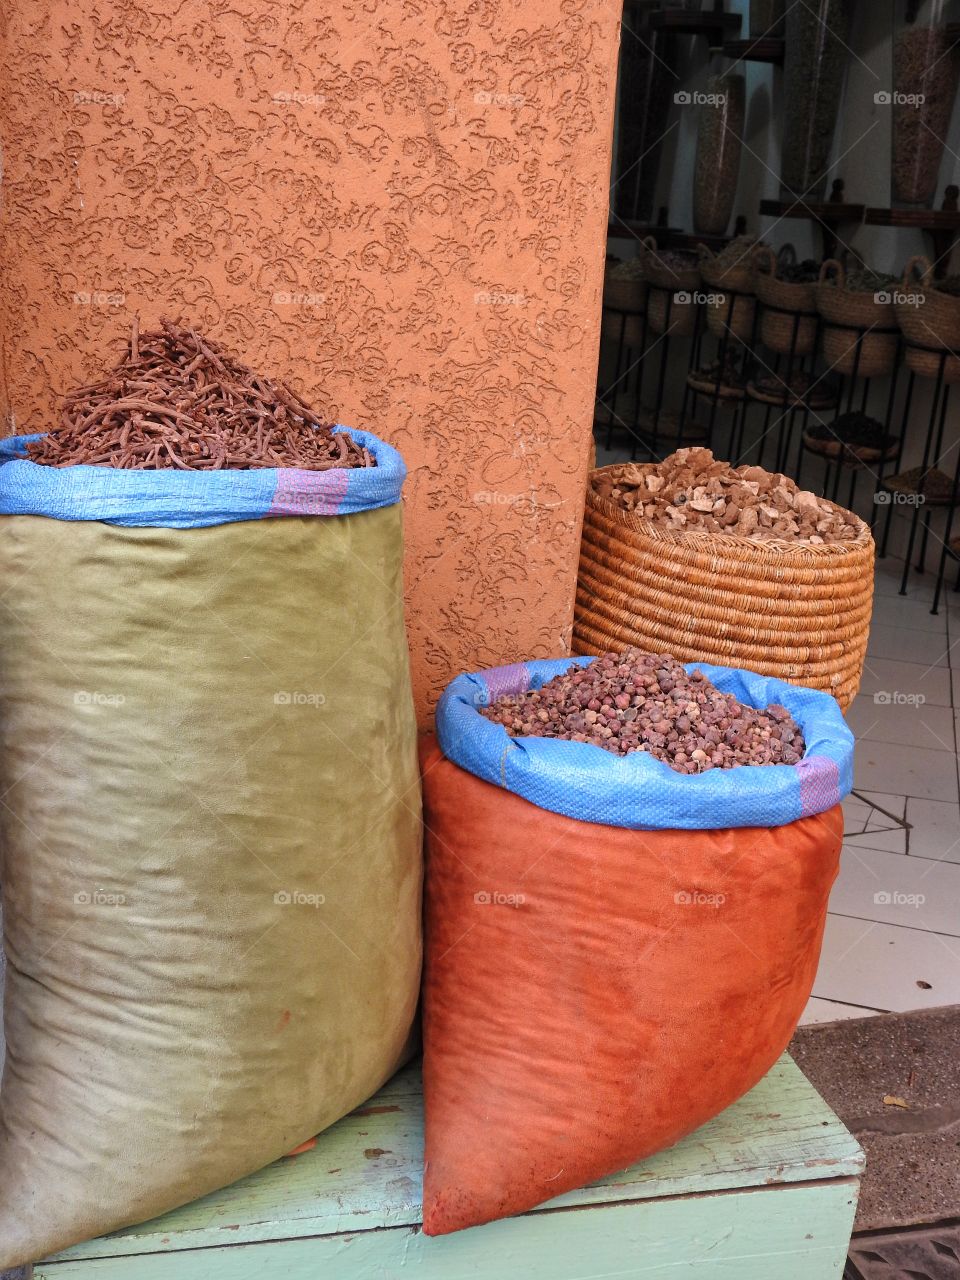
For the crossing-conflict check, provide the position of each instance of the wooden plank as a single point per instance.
(365, 1172)
(797, 1232)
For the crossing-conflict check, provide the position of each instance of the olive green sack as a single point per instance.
(211, 859)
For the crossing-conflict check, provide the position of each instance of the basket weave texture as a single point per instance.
(841, 307)
(796, 611)
(788, 318)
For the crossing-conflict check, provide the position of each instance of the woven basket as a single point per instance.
(841, 306)
(785, 307)
(665, 284)
(929, 321)
(721, 316)
(794, 611)
(624, 295)
(851, 452)
(683, 311)
(927, 364)
(615, 323)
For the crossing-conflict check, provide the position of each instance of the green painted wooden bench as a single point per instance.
(766, 1191)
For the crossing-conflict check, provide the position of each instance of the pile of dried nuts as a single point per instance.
(793, 272)
(178, 399)
(853, 428)
(734, 252)
(636, 701)
(631, 269)
(690, 490)
(865, 280)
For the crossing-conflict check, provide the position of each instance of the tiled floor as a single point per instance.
(893, 934)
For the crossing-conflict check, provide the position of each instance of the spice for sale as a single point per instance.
(637, 701)
(691, 491)
(925, 71)
(935, 485)
(735, 252)
(631, 269)
(853, 428)
(793, 272)
(719, 141)
(865, 280)
(816, 52)
(177, 399)
(674, 261)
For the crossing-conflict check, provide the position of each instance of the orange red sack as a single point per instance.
(595, 991)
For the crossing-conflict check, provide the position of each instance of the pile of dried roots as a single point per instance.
(177, 399)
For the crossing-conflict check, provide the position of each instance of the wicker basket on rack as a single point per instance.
(852, 453)
(854, 308)
(796, 611)
(788, 312)
(721, 316)
(628, 325)
(671, 292)
(929, 321)
(624, 293)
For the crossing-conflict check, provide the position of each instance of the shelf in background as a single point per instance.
(690, 240)
(924, 219)
(627, 230)
(827, 214)
(825, 211)
(719, 26)
(942, 224)
(756, 49)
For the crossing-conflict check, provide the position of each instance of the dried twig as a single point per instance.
(178, 399)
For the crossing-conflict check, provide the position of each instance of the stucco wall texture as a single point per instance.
(397, 205)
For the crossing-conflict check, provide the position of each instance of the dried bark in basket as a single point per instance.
(797, 611)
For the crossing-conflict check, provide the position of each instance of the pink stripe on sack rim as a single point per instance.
(501, 680)
(309, 493)
(819, 784)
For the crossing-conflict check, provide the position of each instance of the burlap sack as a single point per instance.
(210, 836)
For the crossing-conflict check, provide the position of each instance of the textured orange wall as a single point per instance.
(397, 205)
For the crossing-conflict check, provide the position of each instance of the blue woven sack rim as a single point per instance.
(586, 782)
(178, 499)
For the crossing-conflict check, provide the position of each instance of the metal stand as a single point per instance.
(932, 448)
(715, 397)
(847, 459)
